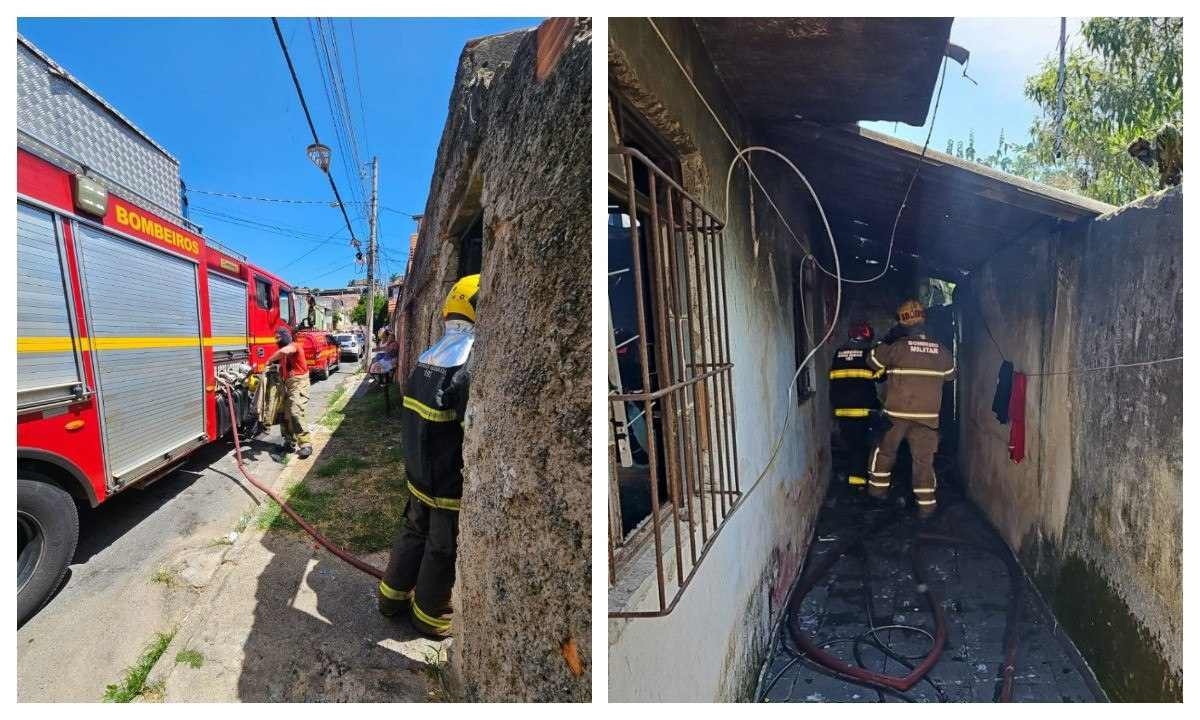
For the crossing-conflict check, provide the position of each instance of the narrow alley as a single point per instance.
(763, 231)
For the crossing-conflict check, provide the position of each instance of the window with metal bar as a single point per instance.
(673, 475)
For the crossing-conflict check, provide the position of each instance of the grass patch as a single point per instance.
(435, 675)
(335, 410)
(192, 658)
(362, 493)
(341, 465)
(134, 682)
(165, 576)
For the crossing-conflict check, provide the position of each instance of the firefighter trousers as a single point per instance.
(854, 432)
(922, 445)
(421, 567)
(295, 410)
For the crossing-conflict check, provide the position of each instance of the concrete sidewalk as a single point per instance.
(285, 620)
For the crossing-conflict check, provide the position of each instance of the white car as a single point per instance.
(350, 345)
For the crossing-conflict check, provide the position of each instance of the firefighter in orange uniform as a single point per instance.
(916, 366)
(852, 397)
(420, 571)
(293, 369)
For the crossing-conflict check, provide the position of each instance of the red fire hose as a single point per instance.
(830, 661)
(316, 535)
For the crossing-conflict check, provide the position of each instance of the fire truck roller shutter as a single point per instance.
(227, 303)
(145, 334)
(47, 362)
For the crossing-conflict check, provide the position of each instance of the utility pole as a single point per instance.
(371, 262)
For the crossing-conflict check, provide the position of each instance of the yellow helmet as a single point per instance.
(910, 313)
(461, 300)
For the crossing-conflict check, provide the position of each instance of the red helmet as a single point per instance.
(861, 330)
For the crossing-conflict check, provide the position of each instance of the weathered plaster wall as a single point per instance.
(520, 150)
(1095, 509)
(711, 645)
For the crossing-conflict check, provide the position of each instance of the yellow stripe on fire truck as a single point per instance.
(65, 344)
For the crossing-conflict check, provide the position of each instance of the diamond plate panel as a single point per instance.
(58, 110)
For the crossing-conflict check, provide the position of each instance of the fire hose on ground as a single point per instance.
(312, 531)
(809, 649)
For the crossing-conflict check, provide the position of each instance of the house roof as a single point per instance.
(829, 70)
(958, 214)
(802, 84)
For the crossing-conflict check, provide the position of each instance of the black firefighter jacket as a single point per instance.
(431, 427)
(852, 382)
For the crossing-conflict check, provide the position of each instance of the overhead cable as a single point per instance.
(308, 116)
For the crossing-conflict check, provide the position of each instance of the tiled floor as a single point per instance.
(971, 584)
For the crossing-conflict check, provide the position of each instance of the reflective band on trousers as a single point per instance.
(435, 502)
(856, 480)
(927, 502)
(851, 412)
(852, 373)
(391, 593)
(934, 373)
(874, 483)
(916, 416)
(439, 623)
(430, 414)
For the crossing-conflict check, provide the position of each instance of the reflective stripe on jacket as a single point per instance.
(915, 368)
(432, 433)
(852, 382)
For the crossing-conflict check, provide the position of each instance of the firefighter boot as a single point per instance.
(393, 602)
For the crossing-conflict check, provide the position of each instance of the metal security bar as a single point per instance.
(685, 389)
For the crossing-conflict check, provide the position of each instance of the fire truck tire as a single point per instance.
(47, 532)
(322, 373)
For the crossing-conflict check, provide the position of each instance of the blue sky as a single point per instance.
(1004, 51)
(216, 94)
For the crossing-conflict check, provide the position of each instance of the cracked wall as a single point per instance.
(519, 151)
(1094, 511)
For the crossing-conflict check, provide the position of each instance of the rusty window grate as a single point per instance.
(670, 380)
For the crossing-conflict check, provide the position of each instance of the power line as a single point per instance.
(253, 224)
(335, 98)
(308, 116)
(362, 95)
(236, 196)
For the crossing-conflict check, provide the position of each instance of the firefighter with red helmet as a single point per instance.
(853, 399)
(916, 365)
(420, 571)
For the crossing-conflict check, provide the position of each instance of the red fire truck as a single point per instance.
(129, 321)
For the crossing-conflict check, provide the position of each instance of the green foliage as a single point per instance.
(1126, 83)
(359, 315)
(192, 658)
(134, 682)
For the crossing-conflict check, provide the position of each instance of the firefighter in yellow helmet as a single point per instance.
(915, 366)
(420, 572)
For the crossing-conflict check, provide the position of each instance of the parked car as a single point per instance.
(350, 344)
(322, 352)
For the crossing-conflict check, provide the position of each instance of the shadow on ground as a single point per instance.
(316, 633)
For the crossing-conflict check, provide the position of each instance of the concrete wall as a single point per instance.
(519, 150)
(711, 645)
(1094, 511)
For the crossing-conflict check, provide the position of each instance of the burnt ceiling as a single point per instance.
(828, 70)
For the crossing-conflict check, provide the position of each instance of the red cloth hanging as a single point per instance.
(1016, 418)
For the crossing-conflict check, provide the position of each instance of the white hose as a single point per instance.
(808, 256)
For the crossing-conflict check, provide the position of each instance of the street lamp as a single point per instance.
(319, 154)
